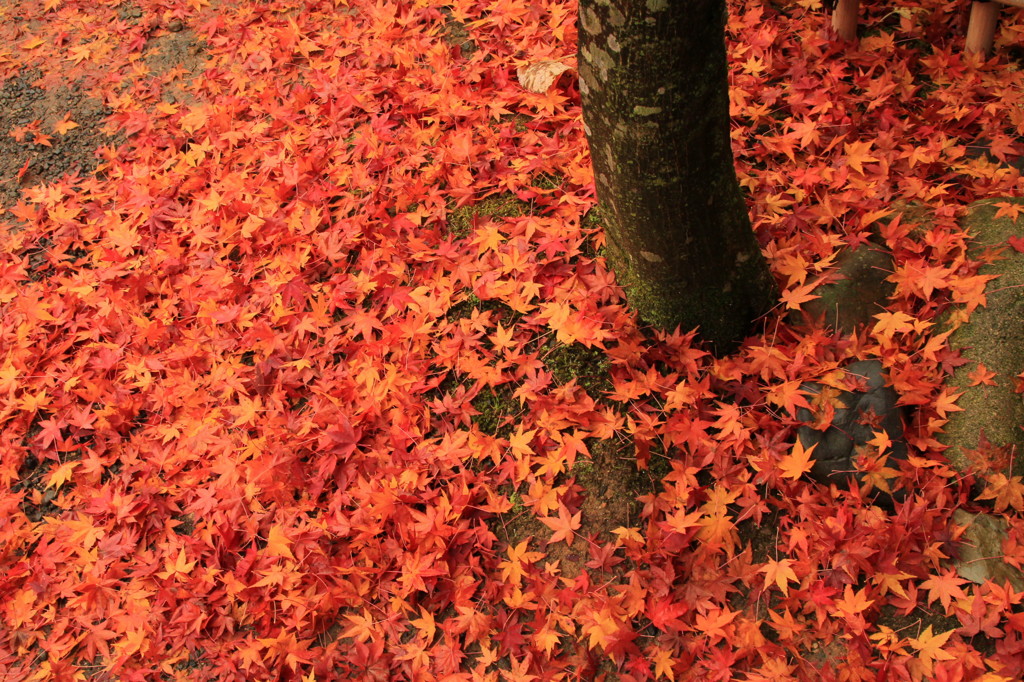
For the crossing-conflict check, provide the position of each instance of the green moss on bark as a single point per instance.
(656, 106)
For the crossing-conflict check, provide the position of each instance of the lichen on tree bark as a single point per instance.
(656, 108)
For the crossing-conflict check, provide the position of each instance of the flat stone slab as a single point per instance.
(986, 436)
(857, 291)
(981, 550)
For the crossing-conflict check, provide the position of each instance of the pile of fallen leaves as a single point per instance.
(279, 396)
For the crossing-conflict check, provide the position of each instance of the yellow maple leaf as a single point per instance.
(929, 648)
(663, 661)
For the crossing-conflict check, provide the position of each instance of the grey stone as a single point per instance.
(994, 337)
(858, 291)
(851, 426)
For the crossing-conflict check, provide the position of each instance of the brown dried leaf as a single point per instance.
(538, 77)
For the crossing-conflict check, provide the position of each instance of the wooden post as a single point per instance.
(982, 27)
(844, 19)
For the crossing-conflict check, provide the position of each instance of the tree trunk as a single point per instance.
(653, 79)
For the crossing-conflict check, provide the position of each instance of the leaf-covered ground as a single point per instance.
(314, 370)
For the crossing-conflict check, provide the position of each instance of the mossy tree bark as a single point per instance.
(654, 84)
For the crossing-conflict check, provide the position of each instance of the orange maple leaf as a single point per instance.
(663, 661)
(946, 402)
(176, 567)
(680, 522)
(981, 375)
(714, 623)
(853, 603)
(546, 638)
(945, 587)
(1007, 492)
(66, 124)
(519, 442)
(798, 462)
(518, 557)
(788, 395)
(857, 154)
(718, 530)
(564, 525)
(893, 323)
(795, 297)
(779, 572)
(425, 624)
(61, 474)
(1008, 210)
(880, 440)
(278, 543)
(891, 582)
(362, 628)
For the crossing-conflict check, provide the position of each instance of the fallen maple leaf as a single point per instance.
(518, 557)
(946, 403)
(1007, 492)
(64, 125)
(278, 543)
(798, 462)
(880, 440)
(795, 297)
(945, 587)
(853, 603)
(893, 323)
(61, 474)
(546, 639)
(981, 375)
(857, 154)
(1007, 210)
(929, 647)
(715, 622)
(563, 526)
(176, 567)
(1017, 243)
(891, 582)
(663, 661)
(780, 572)
(540, 76)
(519, 442)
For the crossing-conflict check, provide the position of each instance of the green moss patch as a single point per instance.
(588, 366)
(504, 205)
(498, 410)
